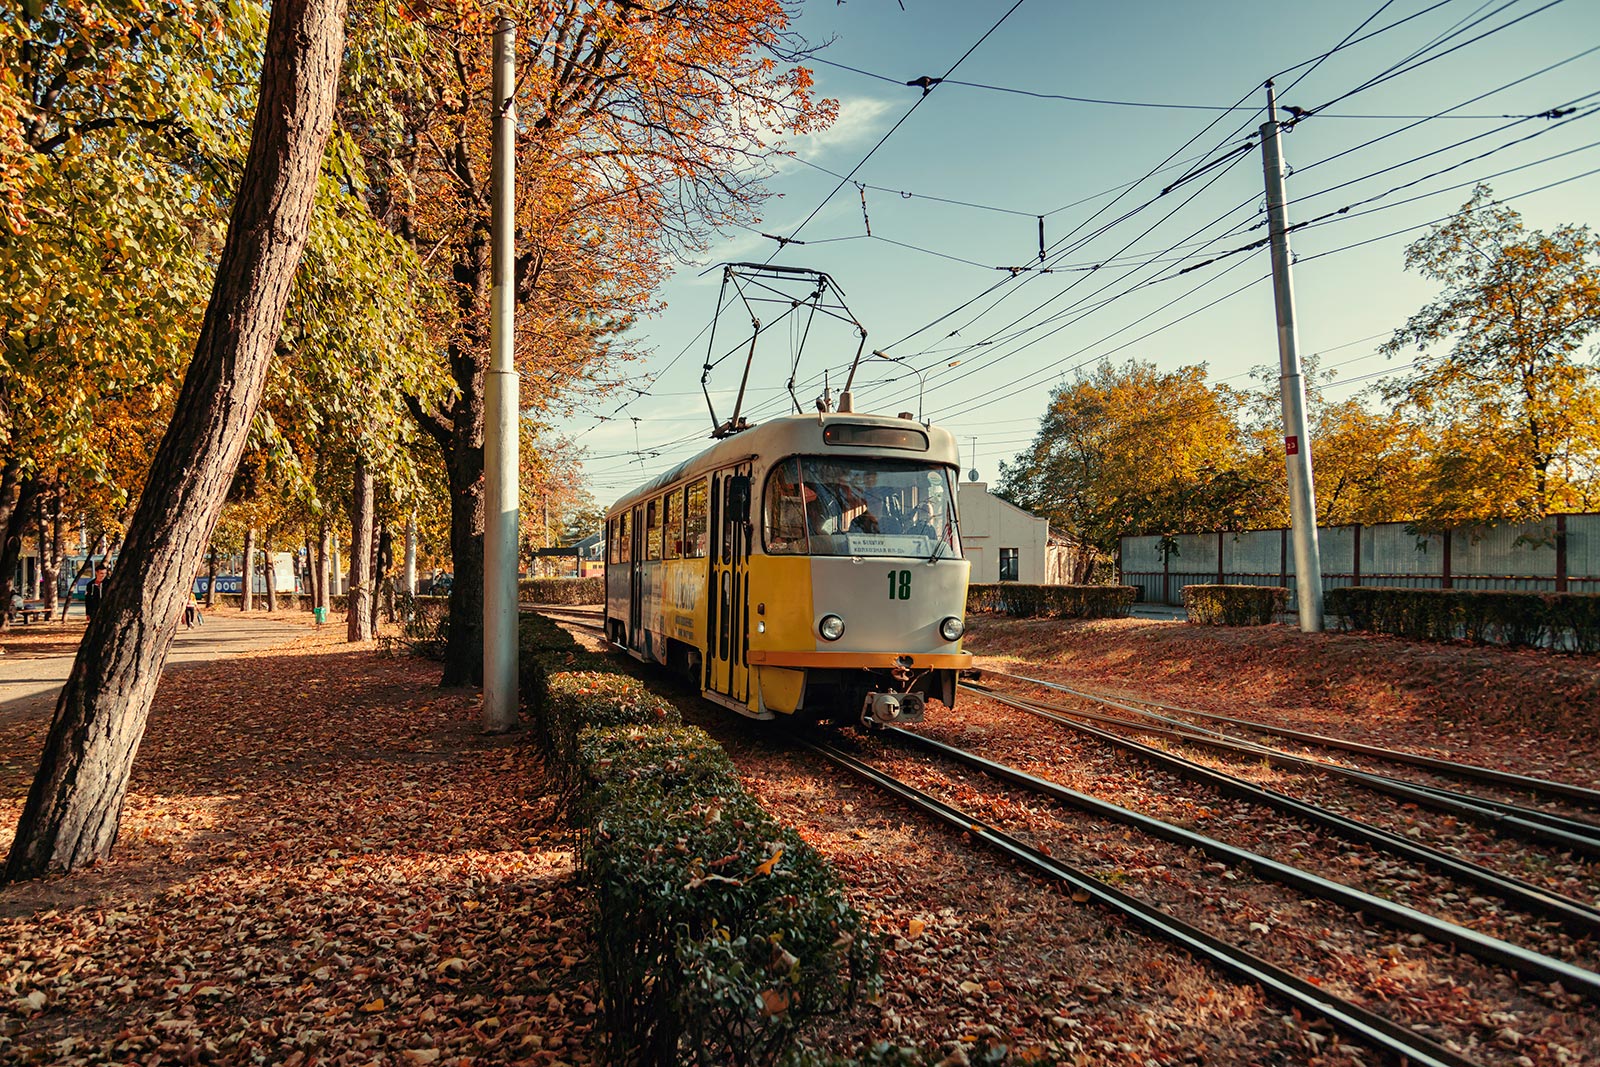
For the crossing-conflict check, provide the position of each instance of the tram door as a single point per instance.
(636, 581)
(726, 670)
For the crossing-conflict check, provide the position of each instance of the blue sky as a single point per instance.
(1028, 156)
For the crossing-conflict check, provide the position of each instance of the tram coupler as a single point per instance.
(881, 709)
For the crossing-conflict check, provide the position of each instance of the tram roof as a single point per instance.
(799, 434)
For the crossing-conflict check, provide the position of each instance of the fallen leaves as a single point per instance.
(321, 861)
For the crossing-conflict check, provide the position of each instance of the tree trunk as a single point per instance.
(335, 569)
(463, 653)
(308, 582)
(382, 575)
(324, 550)
(211, 579)
(73, 809)
(358, 601)
(247, 571)
(50, 519)
(269, 571)
(22, 495)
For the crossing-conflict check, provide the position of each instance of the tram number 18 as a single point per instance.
(899, 585)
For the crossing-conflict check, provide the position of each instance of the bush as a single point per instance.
(1053, 601)
(1235, 605)
(1557, 621)
(722, 930)
(562, 590)
(719, 931)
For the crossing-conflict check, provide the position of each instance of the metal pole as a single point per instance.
(1297, 442)
(500, 429)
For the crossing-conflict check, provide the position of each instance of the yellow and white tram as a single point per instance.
(808, 565)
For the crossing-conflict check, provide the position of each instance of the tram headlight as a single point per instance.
(952, 628)
(831, 627)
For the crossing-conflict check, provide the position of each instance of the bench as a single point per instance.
(28, 612)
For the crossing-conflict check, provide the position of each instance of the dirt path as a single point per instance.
(29, 683)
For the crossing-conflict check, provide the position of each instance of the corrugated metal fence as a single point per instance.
(1561, 554)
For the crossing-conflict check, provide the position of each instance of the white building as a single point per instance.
(1003, 542)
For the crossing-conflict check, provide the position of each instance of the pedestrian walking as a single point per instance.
(96, 590)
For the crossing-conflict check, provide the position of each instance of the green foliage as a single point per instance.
(1053, 601)
(1555, 621)
(562, 590)
(1235, 605)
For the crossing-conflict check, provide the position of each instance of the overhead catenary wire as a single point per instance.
(1402, 71)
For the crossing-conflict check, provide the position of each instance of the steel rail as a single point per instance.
(1576, 916)
(1519, 821)
(1397, 1041)
(1529, 783)
(1533, 964)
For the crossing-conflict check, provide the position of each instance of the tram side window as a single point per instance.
(622, 545)
(674, 533)
(611, 541)
(786, 511)
(652, 530)
(694, 535)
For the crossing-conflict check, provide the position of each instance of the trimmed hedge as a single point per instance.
(1556, 621)
(1052, 601)
(562, 590)
(1235, 605)
(718, 931)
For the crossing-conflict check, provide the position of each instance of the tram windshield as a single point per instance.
(860, 507)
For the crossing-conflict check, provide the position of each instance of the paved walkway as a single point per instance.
(28, 686)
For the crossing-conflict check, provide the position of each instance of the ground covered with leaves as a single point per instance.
(321, 861)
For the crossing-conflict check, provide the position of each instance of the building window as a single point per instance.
(1008, 564)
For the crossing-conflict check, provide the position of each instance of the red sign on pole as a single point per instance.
(1291, 446)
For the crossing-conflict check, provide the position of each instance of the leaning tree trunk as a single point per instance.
(74, 807)
(358, 610)
(247, 572)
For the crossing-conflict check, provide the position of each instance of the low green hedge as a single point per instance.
(1235, 605)
(718, 931)
(1054, 601)
(1557, 621)
(562, 590)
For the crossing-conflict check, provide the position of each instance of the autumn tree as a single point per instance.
(1129, 448)
(72, 813)
(1502, 386)
(642, 125)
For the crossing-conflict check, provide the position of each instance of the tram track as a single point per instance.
(1580, 919)
(1397, 1041)
(1519, 782)
(1515, 820)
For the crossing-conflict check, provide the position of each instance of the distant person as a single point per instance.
(14, 609)
(191, 611)
(96, 590)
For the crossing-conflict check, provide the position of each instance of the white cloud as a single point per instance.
(859, 118)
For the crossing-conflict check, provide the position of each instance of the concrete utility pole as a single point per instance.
(500, 411)
(411, 554)
(1291, 385)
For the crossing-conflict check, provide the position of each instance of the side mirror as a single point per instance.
(739, 498)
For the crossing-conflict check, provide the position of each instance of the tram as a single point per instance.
(808, 566)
